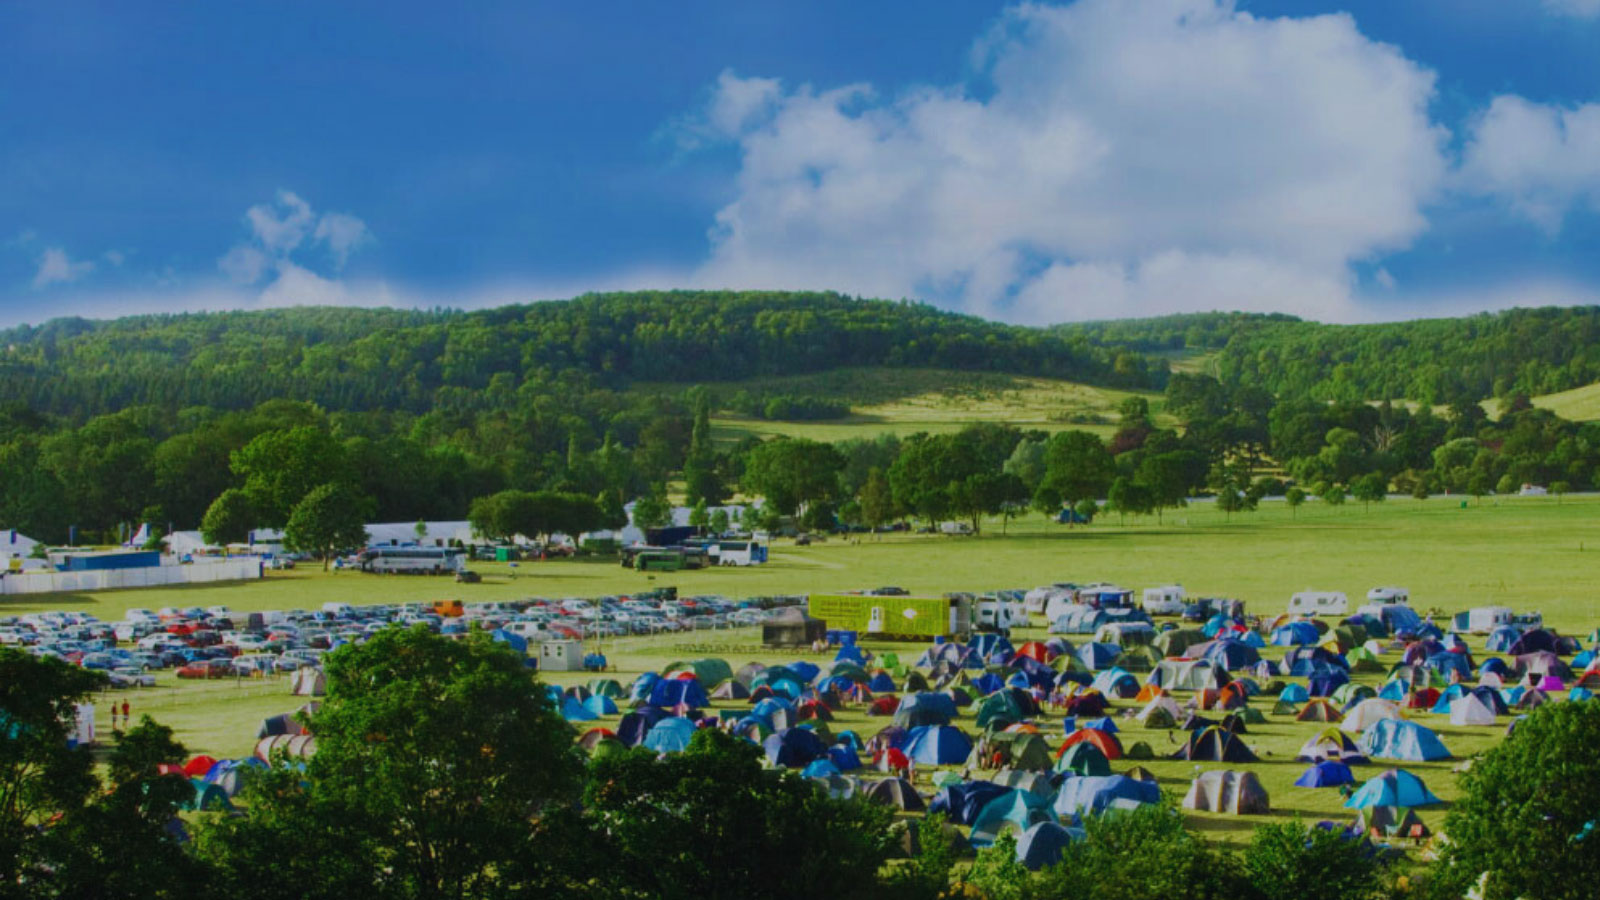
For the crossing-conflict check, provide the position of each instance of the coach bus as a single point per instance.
(413, 560)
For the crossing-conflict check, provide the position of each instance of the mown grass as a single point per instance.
(1528, 553)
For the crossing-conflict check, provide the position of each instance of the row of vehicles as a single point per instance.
(215, 642)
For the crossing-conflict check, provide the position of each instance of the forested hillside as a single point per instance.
(1436, 361)
(362, 359)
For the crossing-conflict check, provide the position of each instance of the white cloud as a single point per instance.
(56, 267)
(342, 234)
(1541, 160)
(1121, 157)
(734, 106)
(1579, 9)
(287, 226)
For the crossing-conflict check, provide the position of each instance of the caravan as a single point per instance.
(998, 615)
(1319, 603)
(1166, 600)
(1388, 595)
(1481, 619)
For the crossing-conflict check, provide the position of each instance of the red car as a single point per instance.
(208, 668)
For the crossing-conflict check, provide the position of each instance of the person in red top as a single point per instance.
(125, 719)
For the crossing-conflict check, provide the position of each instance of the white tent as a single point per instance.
(15, 543)
(1366, 713)
(185, 543)
(1470, 710)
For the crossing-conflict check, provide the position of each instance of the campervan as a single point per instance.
(955, 528)
(1038, 599)
(1481, 619)
(1319, 603)
(995, 614)
(1166, 600)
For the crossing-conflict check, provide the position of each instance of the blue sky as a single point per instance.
(1342, 161)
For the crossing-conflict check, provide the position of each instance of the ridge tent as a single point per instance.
(1366, 713)
(1397, 739)
(1319, 711)
(1396, 787)
(1042, 844)
(1014, 811)
(1098, 793)
(794, 748)
(937, 745)
(897, 793)
(1236, 793)
(1326, 774)
(670, 735)
(1213, 744)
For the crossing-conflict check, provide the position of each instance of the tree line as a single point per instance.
(443, 771)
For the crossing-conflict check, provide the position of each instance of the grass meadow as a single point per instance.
(1527, 553)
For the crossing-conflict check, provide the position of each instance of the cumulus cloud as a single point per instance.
(1539, 159)
(1109, 158)
(56, 267)
(288, 226)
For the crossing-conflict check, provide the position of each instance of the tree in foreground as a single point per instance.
(1529, 816)
(711, 823)
(434, 757)
(1288, 861)
(331, 518)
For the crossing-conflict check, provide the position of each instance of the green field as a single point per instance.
(1528, 553)
(906, 401)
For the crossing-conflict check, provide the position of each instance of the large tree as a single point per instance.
(433, 759)
(332, 517)
(281, 467)
(1529, 814)
(1077, 465)
(793, 472)
(229, 518)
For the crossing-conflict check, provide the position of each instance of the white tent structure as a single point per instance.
(1470, 710)
(1367, 713)
(14, 543)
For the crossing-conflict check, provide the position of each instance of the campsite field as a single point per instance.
(1527, 553)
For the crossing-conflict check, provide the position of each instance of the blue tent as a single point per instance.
(1302, 662)
(1042, 844)
(1446, 696)
(794, 748)
(1394, 690)
(937, 745)
(1296, 634)
(600, 705)
(820, 768)
(1217, 624)
(1449, 663)
(1580, 693)
(515, 641)
(675, 691)
(1097, 793)
(882, 683)
(1324, 683)
(990, 644)
(925, 708)
(1230, 654)
(987, 683)
(1103, 723)
(1496, 665)
(1399, 739)
(1096, 656)
(1015, 809)
(1326, 774)
(1501, 639)
(851, 653)
(1252, 639)
(670, 735)
(961, 803)
(806, 671)
(573, 710)
(634, 726)
(844, 758)
(640, 689)
(1294, 693)
(786, 687)
(1396, 787)
(1117, 682)
(850, 739)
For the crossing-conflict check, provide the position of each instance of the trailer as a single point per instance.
(1319, 603)
(1481, 619)
(895, 618)
(1166, 600)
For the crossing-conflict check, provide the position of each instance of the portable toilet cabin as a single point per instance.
(561, 656)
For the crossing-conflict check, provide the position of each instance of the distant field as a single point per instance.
(1528, 553)
(906, 401)
(1579, 404)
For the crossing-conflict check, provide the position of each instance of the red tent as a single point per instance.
(1105, 741)
(884, 706)
(199, 766)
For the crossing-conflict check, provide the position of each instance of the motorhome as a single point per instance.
(1481, 619)
(1389, 595)
(1319, 603)
(1166, 600)
(1037, 600)
(996, 614)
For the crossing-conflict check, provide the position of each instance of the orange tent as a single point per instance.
(1036, 650)
(1104, 741)
(1149, 692)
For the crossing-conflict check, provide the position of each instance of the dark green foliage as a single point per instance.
(330, 518)
(1530, 810)
(1288, 861)
(711, 823)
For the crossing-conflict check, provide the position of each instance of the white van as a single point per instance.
(339, 610)
(1166, 600)
(955, 528)
(1319, 603)
(528, 631)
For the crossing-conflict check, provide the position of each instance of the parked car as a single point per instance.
(209, 668)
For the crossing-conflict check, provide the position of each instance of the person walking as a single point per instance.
(125, 719)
